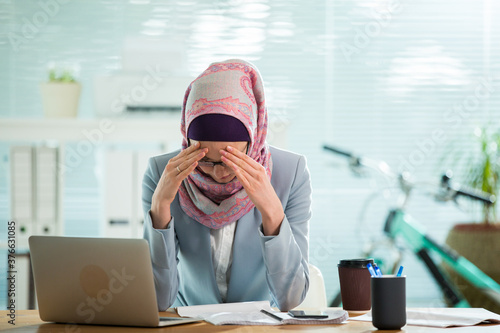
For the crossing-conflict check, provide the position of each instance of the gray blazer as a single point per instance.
(263, 268)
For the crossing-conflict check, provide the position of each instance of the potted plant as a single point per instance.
(60, 94)
(479, 242)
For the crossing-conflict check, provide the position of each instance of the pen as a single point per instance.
(271, 315)
(370, 269)
(378, 271)
(400, 271)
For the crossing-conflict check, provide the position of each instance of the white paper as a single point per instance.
(241, 318)
(444, 317)
(196, 311)
(259, 318)
(248, 313)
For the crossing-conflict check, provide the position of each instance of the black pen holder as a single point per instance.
(388, 294)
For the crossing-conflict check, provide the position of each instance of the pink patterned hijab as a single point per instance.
(232, 87)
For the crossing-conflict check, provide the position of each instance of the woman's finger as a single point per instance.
(186, 151)
(186, 171)
(243, 156)
(184, 162)
(191, 158)
(250, 182)
(243, 161)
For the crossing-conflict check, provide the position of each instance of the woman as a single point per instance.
(227, 217)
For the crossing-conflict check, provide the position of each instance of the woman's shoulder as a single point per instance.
(289, 168)
(282, 155)
(289, 164)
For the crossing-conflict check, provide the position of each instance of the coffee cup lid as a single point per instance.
(355, 263)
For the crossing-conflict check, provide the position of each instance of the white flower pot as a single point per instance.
(60, 99)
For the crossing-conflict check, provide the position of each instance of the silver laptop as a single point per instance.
(101, 281)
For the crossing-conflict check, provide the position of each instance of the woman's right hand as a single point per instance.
(168, 185)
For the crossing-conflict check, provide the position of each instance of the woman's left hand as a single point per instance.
(256, 182)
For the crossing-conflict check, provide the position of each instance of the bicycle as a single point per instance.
(399, 225)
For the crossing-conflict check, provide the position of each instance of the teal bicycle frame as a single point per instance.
(400, 225)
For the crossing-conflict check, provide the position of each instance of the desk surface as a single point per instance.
(29, 321)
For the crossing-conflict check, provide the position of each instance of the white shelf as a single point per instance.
(105, 129)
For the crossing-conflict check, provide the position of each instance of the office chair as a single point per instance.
(316, 295)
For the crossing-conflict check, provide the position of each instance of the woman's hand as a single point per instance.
(256, 182)
(177, 169)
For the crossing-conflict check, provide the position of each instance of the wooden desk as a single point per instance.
(29, 321)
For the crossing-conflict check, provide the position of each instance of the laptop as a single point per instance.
(100, 281)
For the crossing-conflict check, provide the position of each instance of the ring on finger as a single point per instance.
(177, 167)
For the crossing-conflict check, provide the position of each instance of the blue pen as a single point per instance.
(377, 270)
(370, 269)
(400, 271)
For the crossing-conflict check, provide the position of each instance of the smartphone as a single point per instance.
(307, 314)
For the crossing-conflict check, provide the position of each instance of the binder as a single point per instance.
(124, 170)
(22, 194)
(46, 190)
(34, 191)
(34, 207)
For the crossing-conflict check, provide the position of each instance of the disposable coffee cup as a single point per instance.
(354, 280)
(388, 302)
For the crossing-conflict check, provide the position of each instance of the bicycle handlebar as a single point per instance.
(358, 161)
(457, 190)
(452, 190)
(338, 151)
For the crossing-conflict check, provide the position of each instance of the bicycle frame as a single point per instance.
(401, 224)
